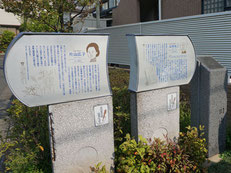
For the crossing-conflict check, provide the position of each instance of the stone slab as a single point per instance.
(150, 116)
(209, 102)
(77, 143)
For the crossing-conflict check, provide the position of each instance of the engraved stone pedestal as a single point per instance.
(155, 113)
(209, 102)
(81, 135)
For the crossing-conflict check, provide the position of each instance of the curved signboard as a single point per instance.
(160, 61)
(44, 68)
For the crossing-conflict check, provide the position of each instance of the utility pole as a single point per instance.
(98, 14)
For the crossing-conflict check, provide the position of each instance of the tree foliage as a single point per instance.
(49, 12)
(5, 39)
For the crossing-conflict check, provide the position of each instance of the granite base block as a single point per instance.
(76, 142)
(150, 115)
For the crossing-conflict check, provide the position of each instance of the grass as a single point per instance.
(225, 164)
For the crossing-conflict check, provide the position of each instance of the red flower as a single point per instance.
(184, 168)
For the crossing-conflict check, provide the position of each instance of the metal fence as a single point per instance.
(210, 34)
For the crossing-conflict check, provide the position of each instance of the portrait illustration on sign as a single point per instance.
(92, 51)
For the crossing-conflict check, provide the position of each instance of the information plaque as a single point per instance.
(160, 61)
(45, 68)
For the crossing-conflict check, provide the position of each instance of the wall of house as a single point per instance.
(180, 8)
(127, 12)
(9, 28)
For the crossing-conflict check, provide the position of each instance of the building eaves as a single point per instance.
(8, 19)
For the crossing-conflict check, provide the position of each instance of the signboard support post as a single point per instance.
(76, 140)
(155, 113)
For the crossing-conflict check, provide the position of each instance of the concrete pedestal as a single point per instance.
(155, 113)
(209, 102)
(76, 142)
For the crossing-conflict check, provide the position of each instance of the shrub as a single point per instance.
(119, 77)
(194, 145)
(121, 99)
(185, 109)
(228, 138)
(185, 116)
(27, 148)
(157, 156)
(187, 155)
(98, 169)
(6, 38)
(121, 117)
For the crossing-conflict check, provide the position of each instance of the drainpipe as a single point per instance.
(159, 3)
(98, 14)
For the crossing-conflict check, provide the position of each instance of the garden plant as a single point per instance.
(26, 147)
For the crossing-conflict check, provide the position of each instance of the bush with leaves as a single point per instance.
(157, 156)
(187, 155)
(194, 145)
(26, 147)
(121, 117)
(185, 115)
(185, 109)
(98, 169)
(228, 138)
(119, 77)
(5, 39)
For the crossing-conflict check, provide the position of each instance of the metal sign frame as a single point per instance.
(135, 88)
(20, 35)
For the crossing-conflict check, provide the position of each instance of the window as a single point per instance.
(212, 6)
(227, 4)
(105, 6)
(113, 3)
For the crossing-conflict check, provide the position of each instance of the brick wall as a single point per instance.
(180, 8)
(127, 12)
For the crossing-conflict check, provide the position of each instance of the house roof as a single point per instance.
(8, 19)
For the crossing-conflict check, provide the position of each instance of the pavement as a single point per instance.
(5, 100)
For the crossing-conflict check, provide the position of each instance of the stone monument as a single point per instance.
(68, 72)
(159, 64)
(209, 102)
